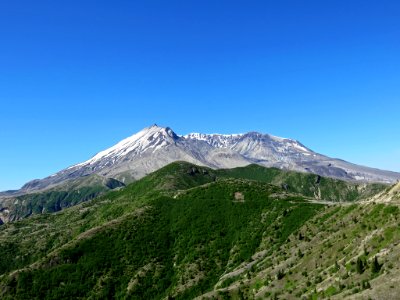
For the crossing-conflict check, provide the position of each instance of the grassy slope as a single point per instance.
(320, 259)
(77, 191)
(181, 231)
(147, 244)
(26, 241)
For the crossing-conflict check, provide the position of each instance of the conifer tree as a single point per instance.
(360, 267)
(375, 266)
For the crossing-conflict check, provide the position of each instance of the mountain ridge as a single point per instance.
(154, 147)
(84, 189)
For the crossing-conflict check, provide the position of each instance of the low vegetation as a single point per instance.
(186, 231)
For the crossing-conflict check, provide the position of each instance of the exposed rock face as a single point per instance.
(4, 215)
(112, 183)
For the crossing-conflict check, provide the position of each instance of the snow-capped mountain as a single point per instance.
(155, 147)
(254, 145)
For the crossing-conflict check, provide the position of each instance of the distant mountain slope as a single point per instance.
(306, 184)
(54, 199)
(155, 147)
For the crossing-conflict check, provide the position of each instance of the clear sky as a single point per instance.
(78, 76)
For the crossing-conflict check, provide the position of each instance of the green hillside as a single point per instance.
(307, 184)
(57, 198)
(342, 252)
(187, 231)
(80, 190)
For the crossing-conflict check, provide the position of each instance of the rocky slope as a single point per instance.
(389, 195)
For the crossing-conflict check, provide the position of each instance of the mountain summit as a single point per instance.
(155, 146)
(150, 138)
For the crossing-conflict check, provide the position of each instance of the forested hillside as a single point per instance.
(186, 231)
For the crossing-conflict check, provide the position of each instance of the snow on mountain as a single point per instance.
(151, 138)
(248, 141)
(216, 140)
(255, 146)
(155, 146)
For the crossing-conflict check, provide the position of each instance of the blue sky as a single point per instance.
(78, 76)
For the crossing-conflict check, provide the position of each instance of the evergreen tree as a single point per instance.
(280, 275)
(360, 267)
(375, 266)
(337, 267)
(300, 254)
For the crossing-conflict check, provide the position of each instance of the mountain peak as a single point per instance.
(153, 127)
(156, 128)
(152, 137)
